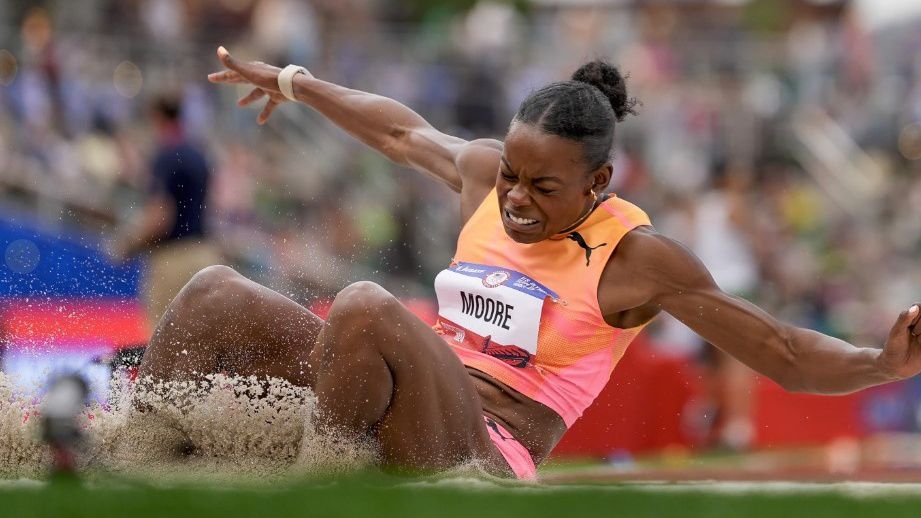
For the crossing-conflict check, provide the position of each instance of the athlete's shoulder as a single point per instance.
(644, 241)
(626, 212)
(477, 164)
(486, 143)
(478, 160)
(659, 259)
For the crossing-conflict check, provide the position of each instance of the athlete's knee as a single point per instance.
(211, 277)
(363, 299)
(211, 286)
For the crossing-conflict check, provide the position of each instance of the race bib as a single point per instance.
(496, 310)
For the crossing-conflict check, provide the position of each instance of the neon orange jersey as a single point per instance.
(528, 314)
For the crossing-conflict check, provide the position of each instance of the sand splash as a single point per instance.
(218, 427)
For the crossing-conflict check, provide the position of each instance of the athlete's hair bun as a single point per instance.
(607, 78)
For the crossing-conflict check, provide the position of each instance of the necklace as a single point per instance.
(559, 235)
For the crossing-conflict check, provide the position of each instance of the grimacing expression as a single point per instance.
(543, 184)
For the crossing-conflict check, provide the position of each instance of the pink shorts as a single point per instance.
(515, 454)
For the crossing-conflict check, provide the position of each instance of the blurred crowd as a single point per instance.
(780, 140)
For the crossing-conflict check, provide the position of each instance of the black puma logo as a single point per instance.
(577, 237)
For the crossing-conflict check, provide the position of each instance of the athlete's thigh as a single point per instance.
(435, 418)
(274, 335)
(223, 321)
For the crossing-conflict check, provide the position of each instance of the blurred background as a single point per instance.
(779, 139)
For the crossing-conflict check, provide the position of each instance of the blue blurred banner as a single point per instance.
(41, 262)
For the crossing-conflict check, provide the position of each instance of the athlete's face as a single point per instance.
(544, 184)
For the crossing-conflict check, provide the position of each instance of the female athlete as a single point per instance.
(549, 284)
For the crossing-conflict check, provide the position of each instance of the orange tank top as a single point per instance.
(528, 314)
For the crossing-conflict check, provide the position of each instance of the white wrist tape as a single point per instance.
(286, 79)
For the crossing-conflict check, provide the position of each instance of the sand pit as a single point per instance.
(216, 428)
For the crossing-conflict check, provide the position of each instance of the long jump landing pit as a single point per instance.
(248, 458)
(216, 430)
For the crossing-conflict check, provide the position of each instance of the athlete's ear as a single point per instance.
(601, 177)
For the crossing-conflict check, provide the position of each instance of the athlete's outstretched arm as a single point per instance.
(798, 359)
(384, 124)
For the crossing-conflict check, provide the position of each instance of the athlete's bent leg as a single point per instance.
(223, 322)
(380, 370)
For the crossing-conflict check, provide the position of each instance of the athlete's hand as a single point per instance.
(901, 356)
(263, 77)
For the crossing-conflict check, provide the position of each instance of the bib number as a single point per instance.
(499, 307)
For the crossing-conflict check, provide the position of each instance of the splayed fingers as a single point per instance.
(274, 99)
(256, 73)
(267, 110)
(901, 356)
(227, 76)
(262, 76)
(250, 98)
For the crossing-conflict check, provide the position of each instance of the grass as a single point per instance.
(381, 496)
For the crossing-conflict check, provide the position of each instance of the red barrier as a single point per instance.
(639, 410)
(787, 419)
(116, 323)
(648, 405)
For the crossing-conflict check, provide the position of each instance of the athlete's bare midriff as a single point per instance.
(534, 425)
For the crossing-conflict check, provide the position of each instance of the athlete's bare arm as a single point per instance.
(674, 280)
(384, 124)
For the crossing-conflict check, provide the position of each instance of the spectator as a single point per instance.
(172, 223)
